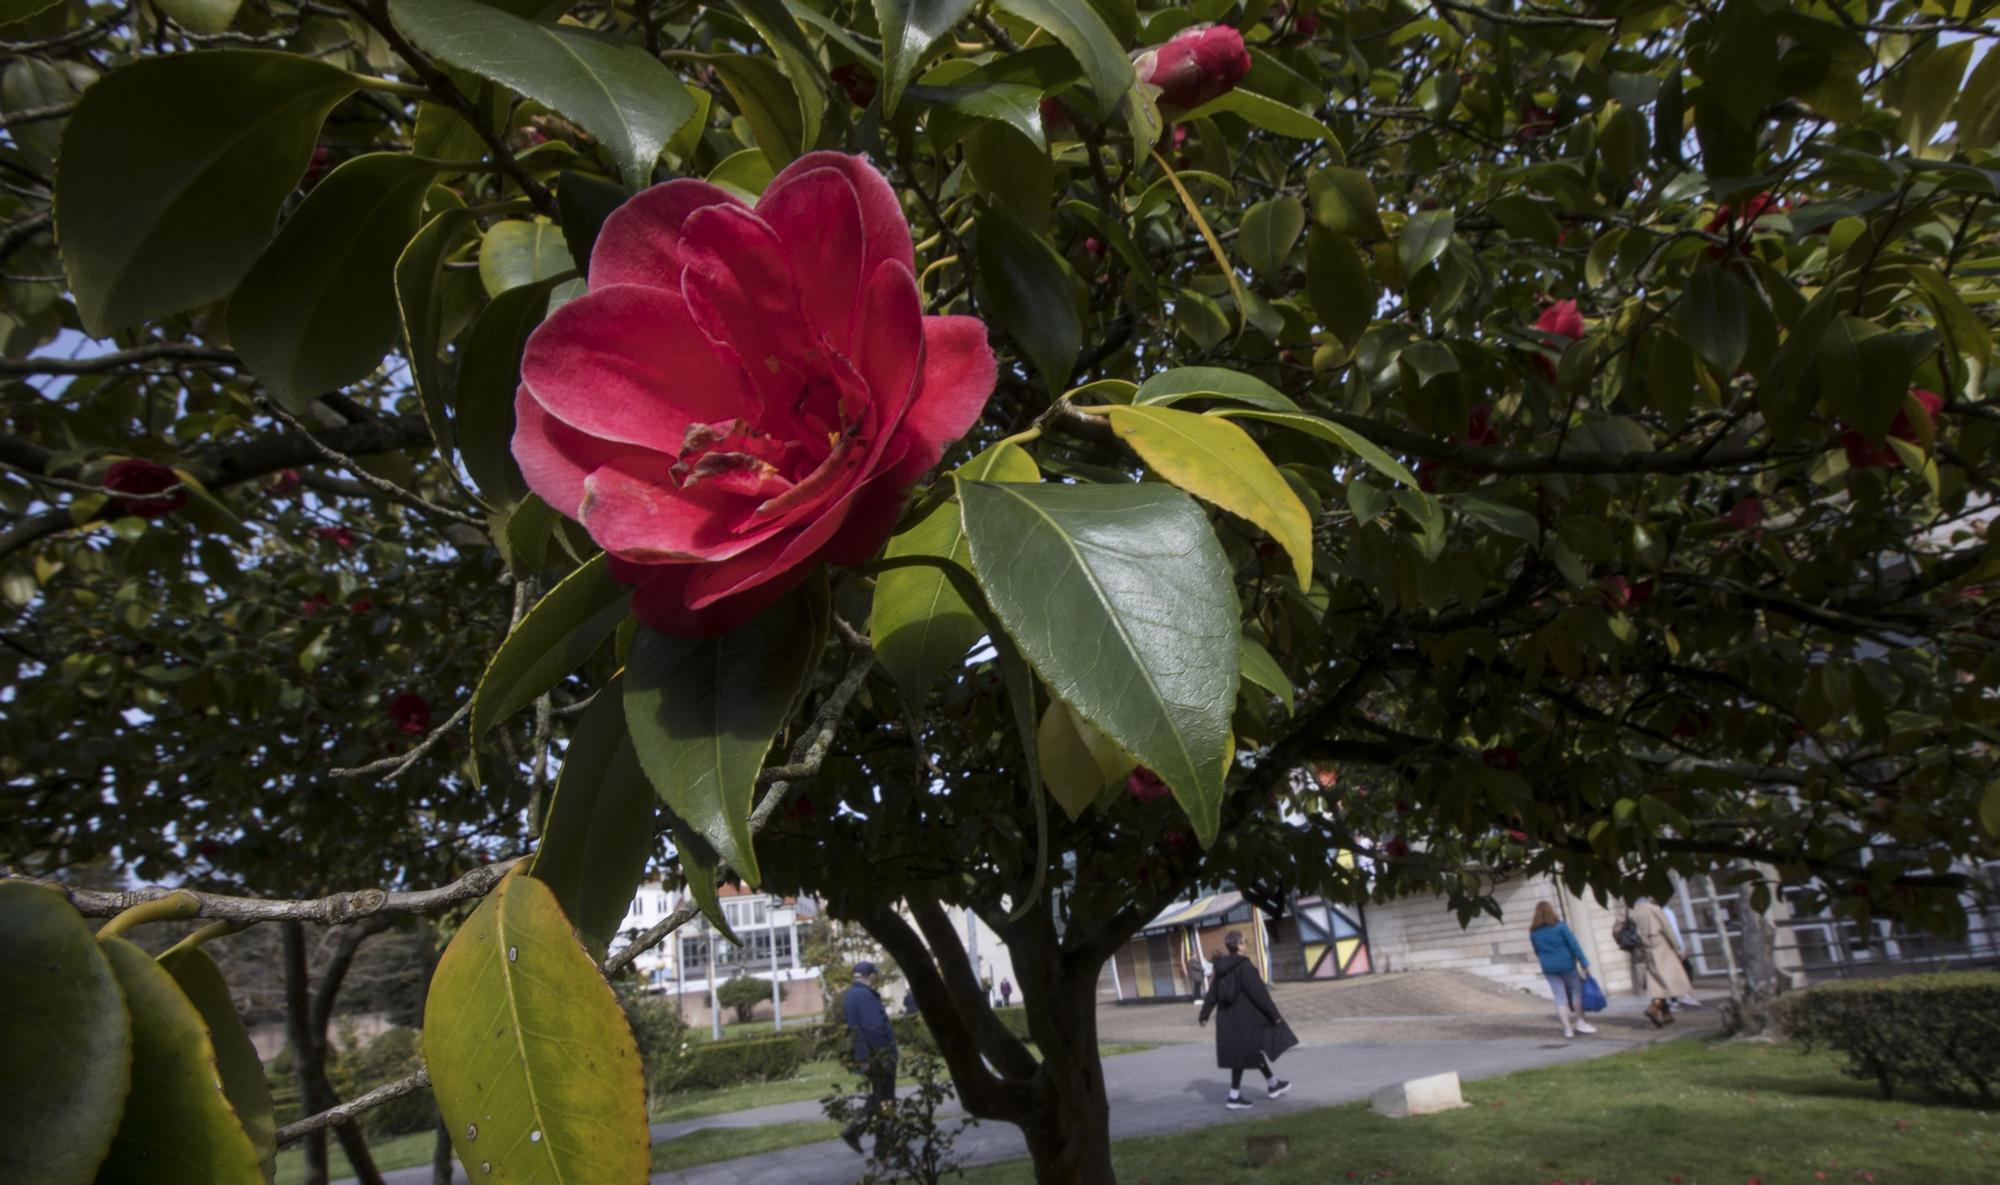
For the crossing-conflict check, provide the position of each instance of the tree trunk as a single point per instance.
(1069, 1134)
(1749, 1014)
(306, 1023)
(298, 1031)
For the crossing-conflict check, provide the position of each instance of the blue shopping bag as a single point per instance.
(1593, 996)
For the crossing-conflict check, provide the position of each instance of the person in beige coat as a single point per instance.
(1659, 962)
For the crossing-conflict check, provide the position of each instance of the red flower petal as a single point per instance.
(640, 242)
(817, 216)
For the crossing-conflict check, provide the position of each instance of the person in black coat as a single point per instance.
(1248, 1031)
(873, 1051)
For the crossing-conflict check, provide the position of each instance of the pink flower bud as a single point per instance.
(1195, 65)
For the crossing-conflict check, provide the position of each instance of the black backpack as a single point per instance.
(1627, 935)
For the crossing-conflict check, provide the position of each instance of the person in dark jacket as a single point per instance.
(1248, 1031)
(873, 1051)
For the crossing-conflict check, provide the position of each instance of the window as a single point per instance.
(754, 912)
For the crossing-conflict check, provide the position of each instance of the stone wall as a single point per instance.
(1422, 933)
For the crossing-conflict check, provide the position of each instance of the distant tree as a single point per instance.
(744, 993)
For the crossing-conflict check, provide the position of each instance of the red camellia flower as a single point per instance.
(139, 479)
(1055, 116)
(1559, 320)
(1479, 430)
(361, 605)
(410, 713)
(1397, 848)
(340, 537)
(1723, 222)
(286, 483)
(311, 606)
(1501, 757)
(1642, 591)
(1746, 515)
(1615, 592)
(1145, 785)
(1536, 121)
(856, 81)
(1863, 453)
(744, 393)
(1195, 65)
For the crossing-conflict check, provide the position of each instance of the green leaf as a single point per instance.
(215, 140)
(909, 29)
(1219, 463)
(1028, 287)
(1508, 520)
(765, 98)
(1422, 239)
(65, 1041)
(521, 252)
(585, 201)
(1338, 284)
(1343, 201)
(531, 1059)
(1122, 599)
(1979, 105)
(552, 640)
(1212, 382)
(919, 624)
(1714, 318)
(1015, 104)
(178, 1126)
(1263, 670)
(420, 301)
(698, 869)
(236, 1060)
(1526, 218)
(703, 712)
(1013, 172)
(202, 16)
(1088, 39)
(1267, 113)
(20, 10)
(1337, 434)
(1989, 810)
(600, 824)
(318, 310)
(616, 91)
(1930, 85)
(1265, 236)
(489, 373)
(1077, 761)
(796, 57)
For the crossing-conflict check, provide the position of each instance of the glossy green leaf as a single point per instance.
(216, 140)
(1422, 239)
(921, 627)
(1979, 105)
(1014, 173)
(1219, 463)
(1012, 103)
(521, 252)
(764, 97)
(909, 29)
(747, 172)
(1122, 599)
(1212, 382)
(1930, 85)
(585, 201)
(531, 1059)
(703, 713)
(236, 1060)
(1263, 670)
(1085, 35)
(698, 869)
(1332, 433)
(600, 824)
(1338, 284)
(1714, 318)
(202, 16)
(796, 57)
(1343, 201)
(420, 301)
(1267, 113)
(1078, 762)
(65, 1041)
(552, 640)
(1989, 810)
(1265, 236)
(615, 91)
(1028, 288)
(489, 373)
(179, 1127)
(318, 310)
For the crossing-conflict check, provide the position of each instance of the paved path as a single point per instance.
(1177, 1088)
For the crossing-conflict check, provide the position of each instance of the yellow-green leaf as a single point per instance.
(1217, 462)
(243, 1080)
(178, 1126)
(516, 253)
(1078, 761)
(532, 1062)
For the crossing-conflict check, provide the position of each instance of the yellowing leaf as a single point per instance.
(533, 1064)
(1078, 761)
(1217, 462)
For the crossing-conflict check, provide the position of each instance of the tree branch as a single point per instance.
(352, 1109)
(119, 359)
(338, 909)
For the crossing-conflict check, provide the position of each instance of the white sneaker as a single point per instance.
(1237, 1103)
(1569, 1032)
(1687, 1002)
(1584, 1026)
(1276, 1088)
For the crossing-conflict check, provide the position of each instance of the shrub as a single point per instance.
(910, 1145)
(657, 1028)
(1938, 1033)
(744, 993)
(718, 1064)
(394, 1053)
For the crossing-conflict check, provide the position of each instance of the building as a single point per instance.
(696, 959)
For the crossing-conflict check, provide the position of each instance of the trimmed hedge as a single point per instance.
(1938, 1033)
(717, 1064)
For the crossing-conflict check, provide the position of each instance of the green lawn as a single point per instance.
(727, 1143)
(390, 1152)
(814, 1080)
(1684, 1113)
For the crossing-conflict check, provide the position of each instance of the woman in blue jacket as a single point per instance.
(1564, 964)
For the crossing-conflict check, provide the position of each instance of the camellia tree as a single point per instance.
(1024, 455)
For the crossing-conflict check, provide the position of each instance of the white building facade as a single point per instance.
(696, 959)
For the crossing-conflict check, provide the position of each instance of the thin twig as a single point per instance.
(337, 910)
(407, 497)
(391, 767)
(351, 1110)
(1525, 21)
(118, 359)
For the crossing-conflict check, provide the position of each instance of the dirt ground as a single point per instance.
(1402, 1006)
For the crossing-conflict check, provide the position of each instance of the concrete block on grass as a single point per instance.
(1420, 1096)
